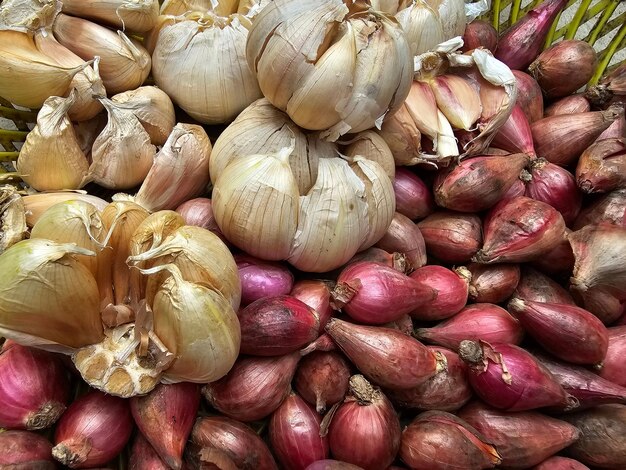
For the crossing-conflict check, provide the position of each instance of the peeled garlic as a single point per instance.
(51, 157)
(47, 297)
(124, 62)
(74, 222)
(422, 26)
(199, 61)
(135, 15)
(336, 68)
(153, 108)
(255, 203)
(36, 204)
(180, 171)
(199, 327)
(122, 154)
(40, 76)
(201, 257)
(87, 82)
(12, 217)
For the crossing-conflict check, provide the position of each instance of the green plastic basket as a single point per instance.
(602, 23)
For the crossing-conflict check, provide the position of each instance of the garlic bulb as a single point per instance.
(180, 7)
(36, 204)
(153, 108)
(47, 297)
(180, 170)
(337, 68)
(199, 327)
(124, 62)
(87, 82)
(28, 16)
(451, 15)
(135, 15)
(12, 217)
(40, 76)
(51, 157)
(282, 194)
(199, 61)
(122, 154)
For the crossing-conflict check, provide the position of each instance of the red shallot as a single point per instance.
(451, 289)
(515, 135)
(602, 166)
(568, 105)
(537, 287)
(24, 450)
(529, 96)
(316, 294)
(322, 379)
(260, 279)
(452, 237)
(413, 197)
(614, 367)
(144, 457)
(403, 236)
(492, 283)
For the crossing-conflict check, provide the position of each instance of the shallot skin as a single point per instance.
(25, 450)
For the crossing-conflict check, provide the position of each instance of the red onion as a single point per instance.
(485, 322)
(365, 430)
(34, 387)
(316, 294)
(568, 105)
(523, 439)
(328, 464)
(609, 208)
(566, 331)
(199, 212)
(322, 379)
(514, 135)
(477, 183)
(323, 343)
(413, 197)
(240, 443)
(23, 450)
(520, 230)
(480, 33)
(375, 294)
(451, 289)
(294, 433)
(537, 287)
(529, 96)
(600, 252)
(260, 279)
(601, 443)
(447, 390)
(275, 326)
(602, 167)
(558, 261)
(165, 417)
(93, 430)
(144, 457)
(613, 367)
(438, 440)
(452, 237)
(388, 357)
(564, 67)
(509, 378)
(404, 237)
(588, 388)
(519, 45)
(560, 463)
(561, 139)
(556, 186)
(253, 388)
(492, 283)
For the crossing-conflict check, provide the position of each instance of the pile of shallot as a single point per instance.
(485, 329)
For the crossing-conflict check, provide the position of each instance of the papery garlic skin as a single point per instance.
(12, 217)
(122, 154)
(135, 15)
(47, 297)
(180, 170)
(35, 205)
(28, 16)
(51, 157)
(199, 61)
(422, 26)
(333, 68)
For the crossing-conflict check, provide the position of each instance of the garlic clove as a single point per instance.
(12, 217)
(372, 146)
(122, 154)
(180, 170)
(40, 75)
(153, 108)
(422, 107)
(36, 205)
(39, 298)
(124, 62)
(137, 15)
(51, 157)
(255, 202)
(403, 137)
(333, 219)
(457, 99)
